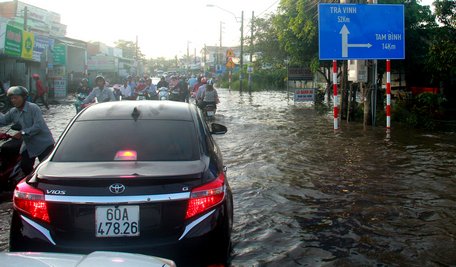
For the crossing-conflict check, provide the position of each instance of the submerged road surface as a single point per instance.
(306, 195)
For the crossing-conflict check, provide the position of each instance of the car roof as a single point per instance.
(141, 110)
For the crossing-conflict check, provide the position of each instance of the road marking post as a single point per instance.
(388, 94)
(336, 99)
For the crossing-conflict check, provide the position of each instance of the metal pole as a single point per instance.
(242, 52)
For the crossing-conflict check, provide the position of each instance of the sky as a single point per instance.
(165, 28)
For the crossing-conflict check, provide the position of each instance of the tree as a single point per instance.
(129, 49)
(266, 41)
(441, 57)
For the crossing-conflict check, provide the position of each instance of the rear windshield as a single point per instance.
(146, 140)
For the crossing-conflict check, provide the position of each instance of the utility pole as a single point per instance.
(26, 64)
(25, 17)
(136, 56)
(251, 52)
(241, 77)
(251, 36)
(220, 49)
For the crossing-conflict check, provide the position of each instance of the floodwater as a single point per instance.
(306, 195)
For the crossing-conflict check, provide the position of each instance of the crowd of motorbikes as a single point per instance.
(162, 94)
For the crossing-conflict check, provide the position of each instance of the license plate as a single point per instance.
(116, 221)
(210, 113)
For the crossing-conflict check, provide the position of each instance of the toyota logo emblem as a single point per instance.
(117, 188)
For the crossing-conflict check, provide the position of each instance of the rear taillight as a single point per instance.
(205, 197)
(30, 200)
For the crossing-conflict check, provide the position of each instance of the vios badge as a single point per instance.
(117, 188)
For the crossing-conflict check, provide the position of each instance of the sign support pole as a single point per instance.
(388, 94)
(336, 99)
(229, 80)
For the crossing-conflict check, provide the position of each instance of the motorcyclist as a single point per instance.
(162, 83)
(151, 89)
(101, 92)
(140, 88)
(40, 90)
(183, 89)
(37, 138)
(82, 92)
(200, 91)
(125, 90)
(210, 95)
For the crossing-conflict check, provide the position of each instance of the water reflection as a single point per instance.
(305, 195)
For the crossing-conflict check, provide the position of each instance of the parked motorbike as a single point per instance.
(10, 159)
(163, 93)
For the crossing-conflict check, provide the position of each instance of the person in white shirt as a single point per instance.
(125, 90)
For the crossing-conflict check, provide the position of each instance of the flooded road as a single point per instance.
(305, 195)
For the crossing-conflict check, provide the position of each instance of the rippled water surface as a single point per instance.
(306, 195)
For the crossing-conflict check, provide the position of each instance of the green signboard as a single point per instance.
(59, 53)
(13, 41)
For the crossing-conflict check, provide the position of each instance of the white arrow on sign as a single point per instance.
(345, 45)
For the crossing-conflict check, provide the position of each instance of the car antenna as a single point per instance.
(135, 114)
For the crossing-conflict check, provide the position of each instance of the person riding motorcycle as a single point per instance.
(101, 92)
(200, 91)
(37, 138)
(151, 89)
(210, 95)
(162, 83)
(82, 92)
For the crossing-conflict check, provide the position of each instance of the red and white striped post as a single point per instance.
(336, 98)
(388, 94)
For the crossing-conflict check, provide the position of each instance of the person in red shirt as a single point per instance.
(40, 91)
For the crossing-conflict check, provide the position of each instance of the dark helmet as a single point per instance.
(210, 82)
(17, 90)
(100, 77)
(84, 80)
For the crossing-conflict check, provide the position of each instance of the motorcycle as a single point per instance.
(10, 160)
(142, 96)
(5, 103)
(163, 93)
(78, 103)
(209, 111)
(175, 95)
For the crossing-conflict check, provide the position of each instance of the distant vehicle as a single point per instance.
(99, 258)
(144, 177)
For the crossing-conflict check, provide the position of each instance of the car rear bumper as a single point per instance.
(196, 243)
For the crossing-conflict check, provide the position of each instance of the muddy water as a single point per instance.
(306, 195)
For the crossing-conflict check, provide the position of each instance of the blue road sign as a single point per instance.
(356, 31)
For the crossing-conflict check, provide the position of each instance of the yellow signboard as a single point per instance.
(230, 64)
(229, 53)
(28, 41)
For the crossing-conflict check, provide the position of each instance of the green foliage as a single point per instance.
(271, 79)
(129, 49)
(419, 112)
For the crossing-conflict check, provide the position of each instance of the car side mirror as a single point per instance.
(218, 128)
(16, 127)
